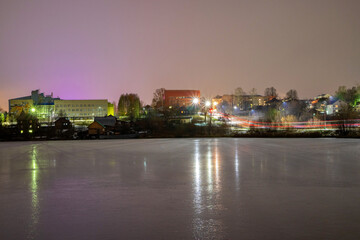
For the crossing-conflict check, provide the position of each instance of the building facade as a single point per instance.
(46, 108)
(83, 109)
(244, 102)
(180, 98)
(38, 104)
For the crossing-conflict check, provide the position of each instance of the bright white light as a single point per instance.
(215, 103)
(235, 107)
(33, 109)
(195, 101)
(207, 103)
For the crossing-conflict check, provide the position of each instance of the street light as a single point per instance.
(32, 109)
(195, 102)
(207, 103)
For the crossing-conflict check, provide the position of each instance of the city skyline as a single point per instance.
(96, 50)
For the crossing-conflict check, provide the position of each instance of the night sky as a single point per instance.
(101, 49)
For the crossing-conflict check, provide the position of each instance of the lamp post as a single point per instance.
(207, 105)
(325, 118)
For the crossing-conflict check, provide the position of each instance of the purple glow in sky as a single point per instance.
(101, 49)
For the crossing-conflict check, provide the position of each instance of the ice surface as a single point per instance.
(180, 189)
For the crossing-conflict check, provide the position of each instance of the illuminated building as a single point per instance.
(46, 108)
(243, 102)
(83, 109)
(180, 98)
(38, 104)
(27, 124)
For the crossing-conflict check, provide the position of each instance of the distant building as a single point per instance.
(334, 107)
(63, 128)
(216, 101)
(46, 108)
(62, 123)
(180, 98)
(27, 124)
(83, 109)
(325, 103)
(108, 121)
(244, 102)
(103, 125)
(96, 129)
(39, 104)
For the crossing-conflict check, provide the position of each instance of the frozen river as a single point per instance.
(180, 189)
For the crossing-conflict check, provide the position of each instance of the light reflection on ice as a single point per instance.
(208, 203)
(34, 188)
(209, 168)
(197, 180)
(237, 166)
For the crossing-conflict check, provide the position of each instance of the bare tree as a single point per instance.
(239, 91)
(239, 97)
(270, 92)
(159, 97)
(253, 92)
(292, 95)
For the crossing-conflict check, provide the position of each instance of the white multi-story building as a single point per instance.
(83, 109)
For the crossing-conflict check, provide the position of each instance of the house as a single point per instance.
(62, 123)
(335, 106)
(109, 121)
(27, 124)
(63, 128)
(102, 125)
(96, 129)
